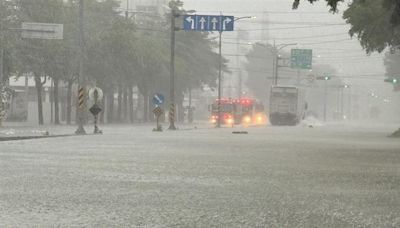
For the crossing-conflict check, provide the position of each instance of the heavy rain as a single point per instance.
(199, 113)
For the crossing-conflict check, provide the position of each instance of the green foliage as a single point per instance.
(376, 23)
(331, 3)
(370, 22)
(115, 51)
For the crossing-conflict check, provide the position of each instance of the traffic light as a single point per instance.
(326, 78)
(391, 80)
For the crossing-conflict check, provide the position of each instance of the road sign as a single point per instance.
(42, 31)
(95, 94)
(158, 99)
(158, 111)
(227, 23)
(301, 58)
(95, 109)
(208, 23)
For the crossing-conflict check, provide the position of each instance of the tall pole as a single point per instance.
(219, 79)
(274, 62)
(350, 104)
(172, 74)
(276, 67)
(1, 50)
(81, 78)
(298, 77)
(325, 98)
(239, 95)
(127, 10)
(341, 102)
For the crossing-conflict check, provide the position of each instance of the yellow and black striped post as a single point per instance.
(81, 98)
(81, 111)
(172, 117)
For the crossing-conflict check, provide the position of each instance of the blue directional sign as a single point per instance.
(227, 23)
(158, 99)
(208, 23)
(215, 23)
(202, 23)
(189, 22)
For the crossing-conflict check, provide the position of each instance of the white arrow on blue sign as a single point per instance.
(158, 99)
(189, 22)
(208, 23)
(215, 23)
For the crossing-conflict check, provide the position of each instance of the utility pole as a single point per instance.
(219, 79)
(127, 10)
(81, 78)
(276, 67)
(172, 74)
(325, 98)
(1, 50)
(239, 95)
(341, 102)
(350, 105)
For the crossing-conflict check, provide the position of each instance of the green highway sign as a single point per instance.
(301, 58)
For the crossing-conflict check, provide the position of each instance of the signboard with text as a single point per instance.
(301, 58)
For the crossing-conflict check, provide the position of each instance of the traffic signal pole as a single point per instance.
(219, 79)
(325, 98)
(1, 51)
(172, 74)
(82, 82)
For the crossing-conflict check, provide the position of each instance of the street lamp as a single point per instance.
(277, 48)
(246, 17)
(174, 15)
(275, 52)
(343, 87)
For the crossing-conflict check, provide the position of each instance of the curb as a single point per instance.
(16, 138)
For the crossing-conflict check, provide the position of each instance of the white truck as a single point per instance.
(286, 105)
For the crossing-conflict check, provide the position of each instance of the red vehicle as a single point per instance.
(249, 112)
(239, 111)
(226, 112)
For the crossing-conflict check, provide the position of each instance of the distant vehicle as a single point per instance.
(226, 111)
(287, 105)
(249, 111)
(245, 111)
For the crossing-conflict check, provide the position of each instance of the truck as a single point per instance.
(287, 105)
(246, 111)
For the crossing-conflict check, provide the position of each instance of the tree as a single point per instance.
(391, 6)
(41, 57)
(376, 23)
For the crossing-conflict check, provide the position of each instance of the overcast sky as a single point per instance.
(325, 33)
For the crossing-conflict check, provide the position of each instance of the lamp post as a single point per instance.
(81, 79)
(278, 48)
(275, 62)
(220, 70)
(172, 73)
(343, 87)
(174, 15)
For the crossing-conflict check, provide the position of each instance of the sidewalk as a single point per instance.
(20, 130)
